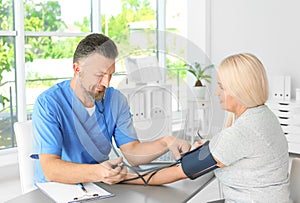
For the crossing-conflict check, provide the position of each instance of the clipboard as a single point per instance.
(69, 193)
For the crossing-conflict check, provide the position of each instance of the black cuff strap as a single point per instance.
(198, 162)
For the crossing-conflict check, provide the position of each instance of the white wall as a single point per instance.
(270, 29)
(199, 33)
(196, 22)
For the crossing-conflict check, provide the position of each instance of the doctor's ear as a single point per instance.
(76, 68)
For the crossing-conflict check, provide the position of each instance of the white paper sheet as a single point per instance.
(64, 193)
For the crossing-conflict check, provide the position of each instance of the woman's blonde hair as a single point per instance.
(244, 77)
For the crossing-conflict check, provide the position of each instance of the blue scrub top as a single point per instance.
(62, 126)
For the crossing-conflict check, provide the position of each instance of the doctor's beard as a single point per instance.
(92, 96)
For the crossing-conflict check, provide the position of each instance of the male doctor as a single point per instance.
(75, 120)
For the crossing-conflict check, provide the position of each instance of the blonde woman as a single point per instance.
(251, 154)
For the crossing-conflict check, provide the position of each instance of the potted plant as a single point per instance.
(201, 75)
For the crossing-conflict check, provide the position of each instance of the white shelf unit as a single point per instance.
(288, 114)
(198, 116)
(151, 108)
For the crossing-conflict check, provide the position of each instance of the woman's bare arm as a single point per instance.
(163, 176)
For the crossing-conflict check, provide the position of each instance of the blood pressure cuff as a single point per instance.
(198, 162)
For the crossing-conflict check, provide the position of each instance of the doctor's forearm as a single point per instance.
(144, 152)
(58, 170)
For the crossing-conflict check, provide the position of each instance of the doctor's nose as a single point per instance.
(104, 81)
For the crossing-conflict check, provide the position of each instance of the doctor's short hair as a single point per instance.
(95, 43)
(244, 78)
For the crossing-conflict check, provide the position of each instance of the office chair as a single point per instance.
(295, 180)
(24, 138)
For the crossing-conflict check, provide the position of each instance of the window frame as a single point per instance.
(20, 34)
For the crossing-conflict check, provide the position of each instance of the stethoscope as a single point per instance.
(137, 170)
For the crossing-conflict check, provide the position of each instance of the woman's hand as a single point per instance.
(198, 144)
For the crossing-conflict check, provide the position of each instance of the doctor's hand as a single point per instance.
(178, 146)
(111, 171)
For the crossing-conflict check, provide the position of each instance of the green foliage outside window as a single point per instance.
(46, 16)
(6, 43)
(43, 17)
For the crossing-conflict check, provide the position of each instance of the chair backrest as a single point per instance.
(24, 138)
(295, 180)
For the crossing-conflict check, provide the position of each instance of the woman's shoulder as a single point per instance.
(256, 115)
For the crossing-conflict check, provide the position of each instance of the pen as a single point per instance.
(82, 187)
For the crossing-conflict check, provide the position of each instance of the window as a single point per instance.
(52, 32)
(46, 34)
(58, 16)
(7, 76)
(176, 55)
(132, 25)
